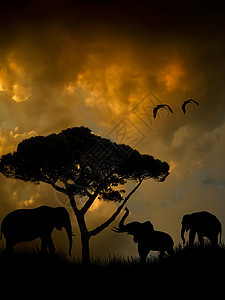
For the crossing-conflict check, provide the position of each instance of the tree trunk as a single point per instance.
(85, 237)
(85, 249)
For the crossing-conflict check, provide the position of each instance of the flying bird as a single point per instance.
(186, 102)
(155, 110)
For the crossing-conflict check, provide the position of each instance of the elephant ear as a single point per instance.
(145, 229)
(147, 226)
(186, 219)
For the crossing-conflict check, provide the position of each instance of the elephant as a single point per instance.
(146, 237)
(23, 225)
(204, 224)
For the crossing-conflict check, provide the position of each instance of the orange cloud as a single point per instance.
(171, 76)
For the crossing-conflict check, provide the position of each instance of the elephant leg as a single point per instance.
(170, 251)
(51, 245)
(213, 240)
(44, 245)
(161, 253)
(9, 246)
(200, 238)
(143, 252)
(191, 237)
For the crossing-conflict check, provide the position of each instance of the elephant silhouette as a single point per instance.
(204, 224)
(23, 225)
(146, 237)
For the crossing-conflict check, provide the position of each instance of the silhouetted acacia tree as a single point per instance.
(78, 162)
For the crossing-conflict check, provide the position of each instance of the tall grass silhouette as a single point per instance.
(184, 256)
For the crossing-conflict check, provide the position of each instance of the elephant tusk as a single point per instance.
(115, 229)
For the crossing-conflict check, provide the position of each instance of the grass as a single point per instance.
(189, 270)
(31, 268)
(196, 257)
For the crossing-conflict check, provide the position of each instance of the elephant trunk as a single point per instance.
(121, 223)
(183, 229)
(122, 227)
(69, 234)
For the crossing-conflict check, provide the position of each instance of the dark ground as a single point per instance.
(190, 264)
(190, 273)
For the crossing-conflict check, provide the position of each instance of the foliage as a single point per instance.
(83, 160)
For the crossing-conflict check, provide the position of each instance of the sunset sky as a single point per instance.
(105, 65)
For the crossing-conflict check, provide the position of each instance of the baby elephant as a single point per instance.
(23, 225)
(146, 237)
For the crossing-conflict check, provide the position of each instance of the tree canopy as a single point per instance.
(84, 160)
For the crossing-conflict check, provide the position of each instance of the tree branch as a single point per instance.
(131, 192)
(58, 188)
(93, 196)
(73, 205)
(116, 213)
(90, 201)
(71, 197)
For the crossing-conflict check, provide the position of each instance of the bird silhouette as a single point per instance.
(186, 102)
(155, 110)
